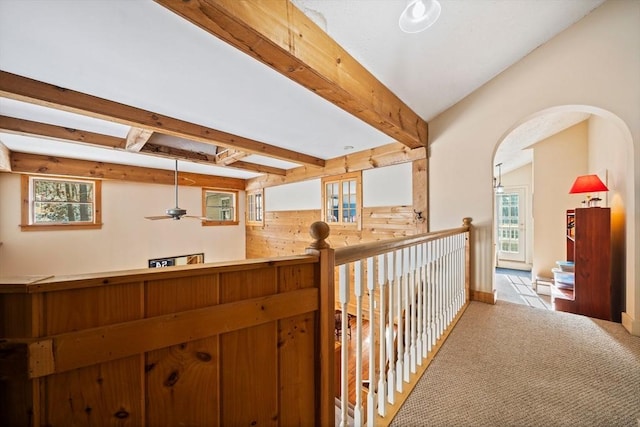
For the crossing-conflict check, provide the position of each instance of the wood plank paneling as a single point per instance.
(172, 373)
(245, 354)
(287, 232)
(106, 393)
(103, 394)
(296, 337)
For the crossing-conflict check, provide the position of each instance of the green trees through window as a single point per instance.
(62, 202)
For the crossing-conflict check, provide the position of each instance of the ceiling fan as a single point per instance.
(175, 213)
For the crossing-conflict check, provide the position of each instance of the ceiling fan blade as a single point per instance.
(153, 218)
(201, 218)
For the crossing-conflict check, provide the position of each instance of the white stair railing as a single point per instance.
(414, 288)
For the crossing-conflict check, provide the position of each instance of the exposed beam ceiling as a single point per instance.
(27, 127)
(24, 89)
(282, 37)
(49, 165)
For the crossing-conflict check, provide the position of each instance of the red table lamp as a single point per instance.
(588, 184)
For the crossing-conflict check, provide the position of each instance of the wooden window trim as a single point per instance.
(357, 176)
(25, 219)
(209, 223)
(248, 206)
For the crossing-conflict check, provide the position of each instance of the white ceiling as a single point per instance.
(136, 52)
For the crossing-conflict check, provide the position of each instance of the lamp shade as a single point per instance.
(587, 184)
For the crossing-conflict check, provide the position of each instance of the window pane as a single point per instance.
(349, 201)
(333, 202)
(258, 207)
(62, 202)
(220, 206)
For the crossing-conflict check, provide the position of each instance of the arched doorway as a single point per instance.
(539, 158)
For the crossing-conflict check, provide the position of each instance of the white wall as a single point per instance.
(292, 197)
(594, 65)
(388, 186)
(126, 240)
(557, 161)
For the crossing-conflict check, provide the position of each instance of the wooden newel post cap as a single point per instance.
(319, 231)
(466, 222)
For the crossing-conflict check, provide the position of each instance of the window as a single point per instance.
(255, 208)
(342, 199)
(56, 203)
(220, 207)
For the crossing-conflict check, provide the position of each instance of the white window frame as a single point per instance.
(255, 208)
(338, 220)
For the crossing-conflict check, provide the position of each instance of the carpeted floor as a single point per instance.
(509, 365)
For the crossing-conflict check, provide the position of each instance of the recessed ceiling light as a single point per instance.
(419, 15)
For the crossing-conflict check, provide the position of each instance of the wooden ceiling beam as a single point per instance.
(137, 137)
(271, 170)
(385, 155)
(27, 127)
(279, 35)
(61, 166)
(28, 90)
(5, 160)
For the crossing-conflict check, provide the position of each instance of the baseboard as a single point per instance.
(630, 324)
(485, 297)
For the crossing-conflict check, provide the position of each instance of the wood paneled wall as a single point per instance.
(194, 345)
(287, 232)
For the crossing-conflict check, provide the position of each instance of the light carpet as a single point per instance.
(512, 365)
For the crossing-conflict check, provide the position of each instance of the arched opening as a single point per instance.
(539, 158)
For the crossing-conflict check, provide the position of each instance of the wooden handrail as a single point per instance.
(365, 250)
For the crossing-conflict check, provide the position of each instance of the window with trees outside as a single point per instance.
(255, 208)
(341, 196)
(220, 207)
(55, 203)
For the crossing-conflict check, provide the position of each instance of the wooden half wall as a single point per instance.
(198, 345)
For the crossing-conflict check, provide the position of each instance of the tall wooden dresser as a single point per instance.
(589, 247)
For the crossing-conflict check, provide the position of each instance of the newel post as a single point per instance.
(325, 374)
(466, 223)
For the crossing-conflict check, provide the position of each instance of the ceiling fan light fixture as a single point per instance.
(419, 15)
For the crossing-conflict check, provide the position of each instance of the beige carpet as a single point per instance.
(513, 365)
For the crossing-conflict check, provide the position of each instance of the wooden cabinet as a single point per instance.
(589, 247)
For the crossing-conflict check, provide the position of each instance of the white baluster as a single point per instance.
(420, 305)
(344, 365)
(382, 382)
(358, 286)
(432, 296)
(399, 284)
(390, 332)
(406, 340)
(413, 302)
(371, 395)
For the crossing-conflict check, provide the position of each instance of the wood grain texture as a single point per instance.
(182, 346)
(48, 165)
(173, 373)
(101, 394)
(27, 90)
(386, 155)
(279, 35)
